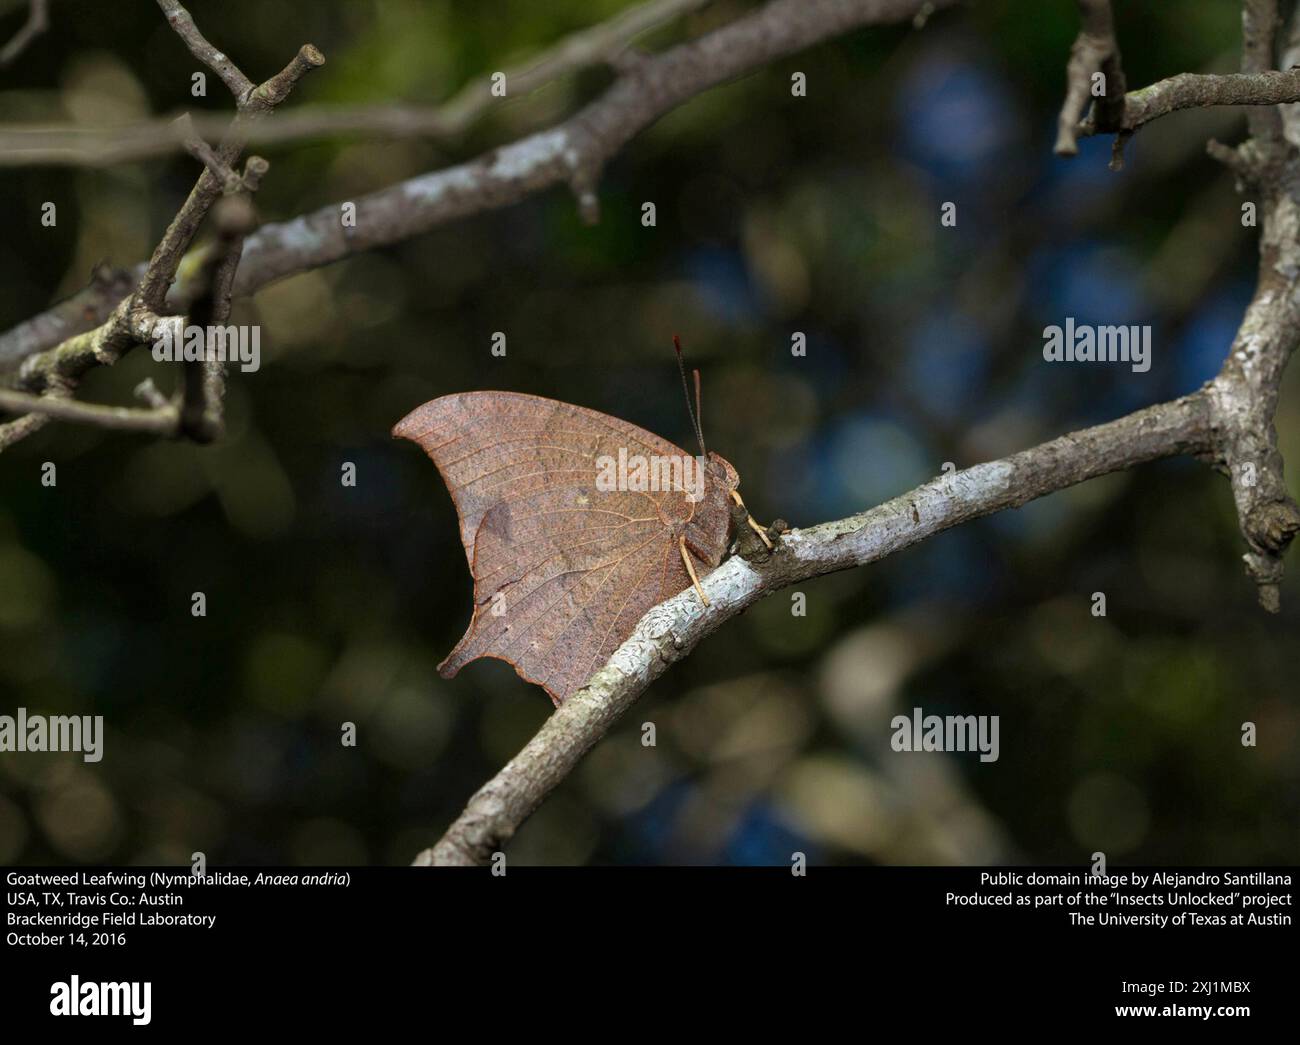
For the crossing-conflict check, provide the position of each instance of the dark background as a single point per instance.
(775, 214)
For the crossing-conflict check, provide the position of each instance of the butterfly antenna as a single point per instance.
(686, 388)
(699, 401)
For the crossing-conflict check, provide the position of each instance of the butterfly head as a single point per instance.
(721, 471)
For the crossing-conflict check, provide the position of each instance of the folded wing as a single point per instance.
(562, 569)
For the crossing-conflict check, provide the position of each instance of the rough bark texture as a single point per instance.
(1200, 91)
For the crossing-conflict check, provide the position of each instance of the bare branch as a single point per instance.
(38, 20)
(669, 631)
(74, 314)
(232, 181)
(55, 383)
(61, 367)
(1246, 160)
(572, 153)
(1259, 26)
(14, 431)
(1095, 51)
(204, 384)
(204, 153)
(1244, 395)
(53, 375)
(266, 96)
(160, 421)
(149, 392)
(23, 145)
(1259, 29)
(606, 42)
(253, 104)
(180, 20)
(255, 168)
(1202, 90)
(1259, 85)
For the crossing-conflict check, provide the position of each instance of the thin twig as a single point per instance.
(204, 380)
(24, 145)
(253, 104)
(160, 421)
(181, 21)
(204, 153)
(134, 319)
(15, 431)
(38, 20)
(1095, 51)
(1202, 91)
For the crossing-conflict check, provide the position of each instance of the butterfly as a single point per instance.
(574, 524)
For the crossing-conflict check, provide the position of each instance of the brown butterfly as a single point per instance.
(574, 524)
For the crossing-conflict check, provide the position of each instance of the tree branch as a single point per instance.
(1245, 393)
(181, 21)
(204, 153)
(134, 318)
(253, 103)
(38, 20)
(1095, 51)
(607, 42)
(204, 386)
(1259, 85)
(572, 153)
(670, 631)
(159, 421)
(1259, 27)
(15, 431)
(1200, 91)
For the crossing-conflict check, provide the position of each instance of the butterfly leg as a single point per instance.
(690, 568)
(735, 496)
